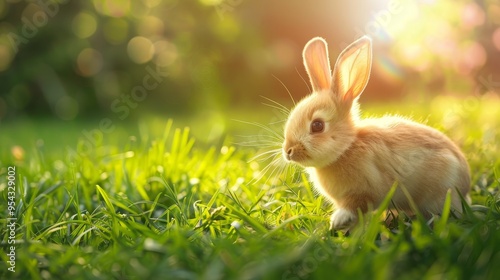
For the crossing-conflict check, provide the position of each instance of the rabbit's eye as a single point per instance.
(317, 126)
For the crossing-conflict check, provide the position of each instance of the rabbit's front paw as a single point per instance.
(342, 219)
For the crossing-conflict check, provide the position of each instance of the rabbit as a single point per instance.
(354, 162)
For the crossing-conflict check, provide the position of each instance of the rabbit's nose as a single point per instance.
(289, 153)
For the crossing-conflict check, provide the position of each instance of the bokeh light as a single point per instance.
(152, 3)
(471, 57)
(18, 152)
(443, 42)
(84, 25)
(113, 8)
(211, 2)
(34, 17)
(99, 49)
(89, 62)
(493, 12)
(5, 56)
(150, 26)
(472, 15)
(140, 49)
(165, 53)
(495, 37)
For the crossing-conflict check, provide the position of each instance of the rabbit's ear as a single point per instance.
(317, 65)
(352, 70)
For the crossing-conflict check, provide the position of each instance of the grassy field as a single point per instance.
(156, 202)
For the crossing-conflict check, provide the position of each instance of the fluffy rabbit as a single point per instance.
(354, 162)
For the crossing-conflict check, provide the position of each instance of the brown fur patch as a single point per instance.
(355, 201)
(421, 159)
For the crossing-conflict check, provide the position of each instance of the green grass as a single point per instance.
(160, 205)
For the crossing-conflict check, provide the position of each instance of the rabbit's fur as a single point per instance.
(354, 162)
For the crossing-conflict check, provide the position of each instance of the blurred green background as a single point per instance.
(70, 64)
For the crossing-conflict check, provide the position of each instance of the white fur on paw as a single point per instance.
(342, 219)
